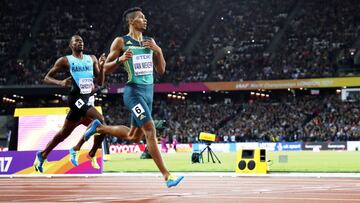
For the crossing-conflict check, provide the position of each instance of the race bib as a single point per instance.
(79, 103)
(86, 85)
(138, 110)
(143, 64)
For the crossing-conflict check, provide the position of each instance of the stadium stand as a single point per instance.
(240, 41)
(282, 118)
(206, 40)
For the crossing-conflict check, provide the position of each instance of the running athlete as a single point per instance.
(140, 54)
(82, 68)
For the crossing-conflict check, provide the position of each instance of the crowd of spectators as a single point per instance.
(16, 19)
(234, 47)
(305, 118)
(309, 47)
(318, 34)
(184, 124)
(90, 19)
(244, 29)
(170, 26)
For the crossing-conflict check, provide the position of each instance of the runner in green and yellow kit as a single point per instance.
(140, 55)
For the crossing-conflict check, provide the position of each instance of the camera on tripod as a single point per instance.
(208, 138)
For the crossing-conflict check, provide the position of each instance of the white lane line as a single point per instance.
(199, 174)
(173, 194)
(99, 197)
(300, 198)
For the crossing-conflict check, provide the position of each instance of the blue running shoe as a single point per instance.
(173, 181)
(39, 162)
(74, 157)
(91, 129)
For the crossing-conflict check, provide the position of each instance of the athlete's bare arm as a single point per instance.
(159, 60)
(99, 69)
(60, 65)
(114, 58)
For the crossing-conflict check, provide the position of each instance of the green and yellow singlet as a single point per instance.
(140, 67)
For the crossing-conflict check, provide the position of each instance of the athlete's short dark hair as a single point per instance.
(74, 35)
(129, 13)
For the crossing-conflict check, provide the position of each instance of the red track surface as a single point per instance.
(192, 189)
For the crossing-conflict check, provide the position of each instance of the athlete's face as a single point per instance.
(77, 43)
(139, 21)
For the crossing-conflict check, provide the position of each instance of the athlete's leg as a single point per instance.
(94, 114)
(139, 100)
(65, 131)
(142, 114)
(119, 131)
(150, 134)
(132, 134)
(84, 121)
(78, 146)
(91, 114)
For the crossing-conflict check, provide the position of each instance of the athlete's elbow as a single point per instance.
(46, 80)
(161, 71)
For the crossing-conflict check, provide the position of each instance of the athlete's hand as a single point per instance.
(126, 56)
(102, 59)
(151, 44)
(66, 82)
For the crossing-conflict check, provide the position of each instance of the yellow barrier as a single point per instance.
(251, 161)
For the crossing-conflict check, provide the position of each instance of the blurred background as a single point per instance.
(303, 55)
